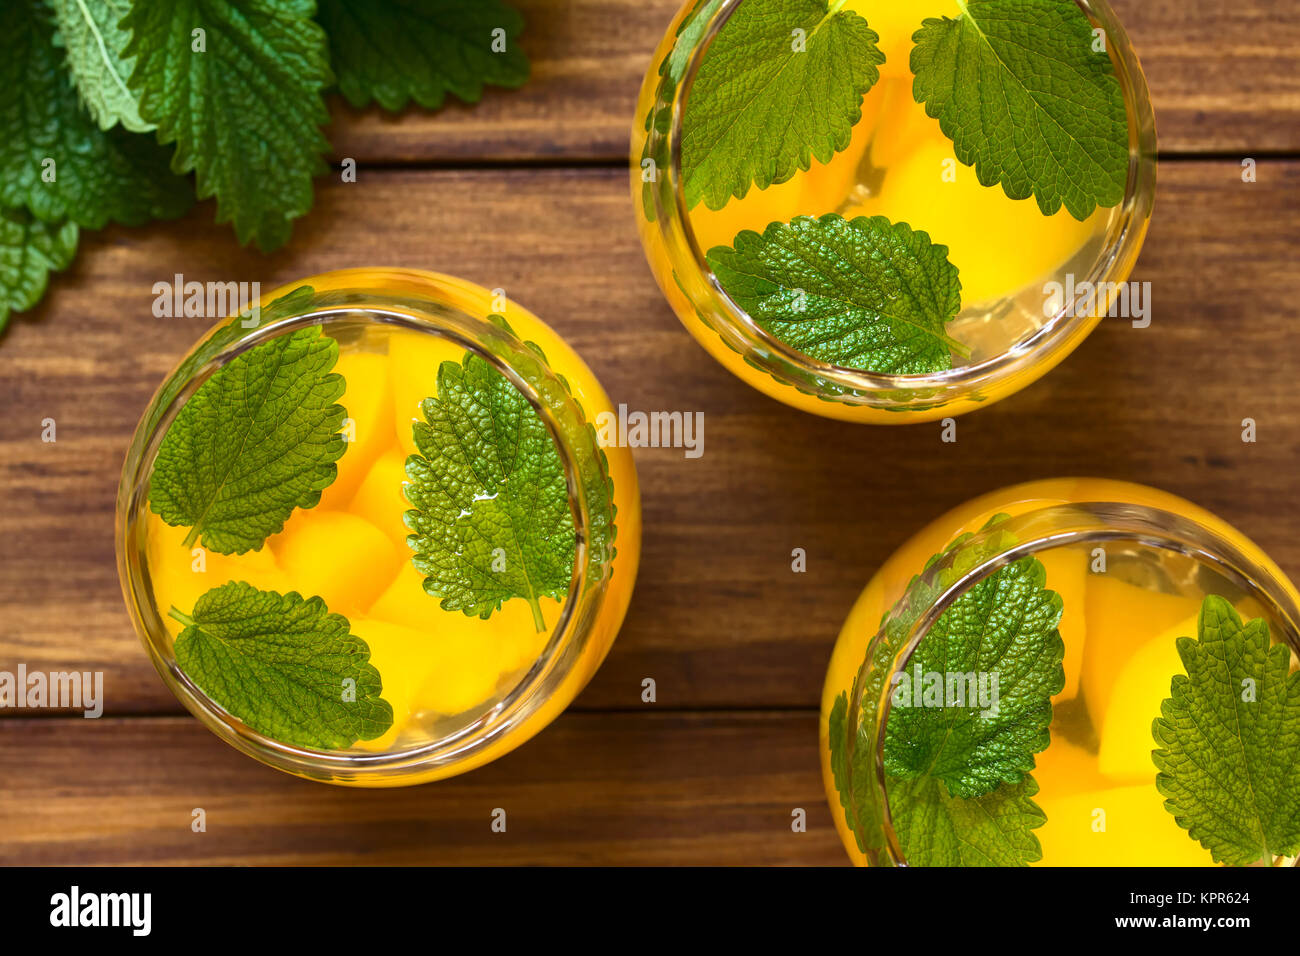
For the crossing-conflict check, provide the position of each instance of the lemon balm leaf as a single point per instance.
(1228, 740)
(291, 303)
(237, 86)
(935, 828)
(54, 158)
(672, 70)
(1020, 89)
(689, 33)
(284, 665)
(491, 519)
(978, 811)
(29, 251)
(256, 440)
(840, 768)
(403, 50)
(863, 293)
(980, 686)
(780, 85)
(94, 43)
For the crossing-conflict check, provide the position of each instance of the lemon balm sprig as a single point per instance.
(284, 665)
(960, 787)
(107, 106)
(258, 439)
(1228, 740)
(491, 519)
(863, 293)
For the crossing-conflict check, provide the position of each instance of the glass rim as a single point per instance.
(1043, 529)
(417, 312)
(1057, 337)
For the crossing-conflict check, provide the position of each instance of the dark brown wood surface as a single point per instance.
(736, 642)
(1222, 75)
(667, 788)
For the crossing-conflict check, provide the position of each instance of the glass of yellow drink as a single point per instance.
(453, 552)
(1032, 285)
(1129, 571)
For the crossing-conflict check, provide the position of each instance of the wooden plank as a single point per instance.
(611, 789)
(588, 58)
(718, 618)
(1222, 78)
(1222, 73)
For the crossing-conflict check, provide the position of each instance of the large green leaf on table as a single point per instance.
(94, 42)
(237, 85)
(29, 251)
(54, 158)
(402, 50)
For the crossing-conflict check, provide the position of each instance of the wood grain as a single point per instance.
(718, 618)
(1222, 74)
(612, 789)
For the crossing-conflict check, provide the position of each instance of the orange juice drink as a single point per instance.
(1112, 614)
(803, 311)
(371, 568)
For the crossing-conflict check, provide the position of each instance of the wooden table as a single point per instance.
(528, 191)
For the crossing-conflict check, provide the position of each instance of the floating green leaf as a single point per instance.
(492, 519)
(975, 808)
(256, 440)
(1001, 629)
(1228, 740)
(780, 85)
(863, 293)
(1028, 99)
(285, 666)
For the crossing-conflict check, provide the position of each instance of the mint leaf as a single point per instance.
(1228, 740)
(256, 440)
(672, 69)
(689, 34)
(293, 302)
(285, 666)
(935, 828)
(29, 251)
(244, 110)
(993, 823)
(94, 42)
(865, 294)
(1026, 100)
(401, 50)
(761, 109)
(54, 159)
(491, 518)
(1003, 626)
(853, 780)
